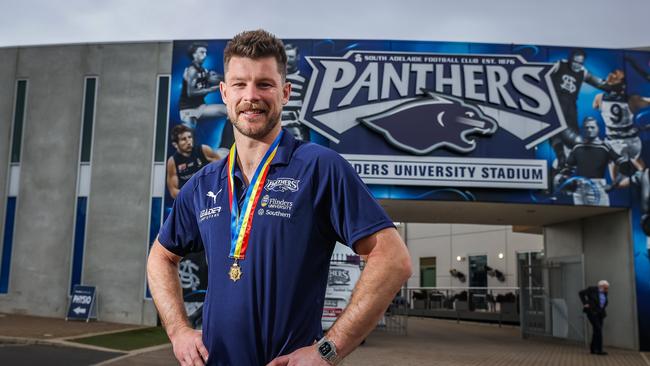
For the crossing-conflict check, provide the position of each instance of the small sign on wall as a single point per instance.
(83, 303)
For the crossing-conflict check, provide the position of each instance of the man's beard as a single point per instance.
(186, 149)
(256, 134)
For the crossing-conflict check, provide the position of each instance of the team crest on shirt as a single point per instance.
(282, 185)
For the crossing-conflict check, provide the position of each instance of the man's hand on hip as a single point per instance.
(188, 347)
(306, 356)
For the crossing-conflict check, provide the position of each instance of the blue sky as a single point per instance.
(590, 23)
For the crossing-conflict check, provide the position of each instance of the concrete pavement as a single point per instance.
(447, 343)
(429, 342)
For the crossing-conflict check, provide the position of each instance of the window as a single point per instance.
(428, 272)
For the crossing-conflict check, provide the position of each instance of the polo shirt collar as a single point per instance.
(286, 148)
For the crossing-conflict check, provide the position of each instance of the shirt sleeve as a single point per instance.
(352, 211)
(180, 232)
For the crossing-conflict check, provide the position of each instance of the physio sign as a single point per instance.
(83, 303)
(427, 104)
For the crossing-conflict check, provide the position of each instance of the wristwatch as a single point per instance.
(327, 350)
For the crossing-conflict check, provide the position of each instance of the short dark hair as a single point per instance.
(195, 46)
(256, 44)
(290, 47)
(577, 52)
(179, 130)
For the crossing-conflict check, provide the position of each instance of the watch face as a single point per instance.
(325, 349)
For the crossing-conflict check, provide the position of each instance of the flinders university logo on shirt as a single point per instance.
(275, 207)
(423, 103)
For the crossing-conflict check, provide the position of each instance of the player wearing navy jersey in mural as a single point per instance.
(187, 160)
(588, 161)
(568, 77)
(291, 111)
(197, 83)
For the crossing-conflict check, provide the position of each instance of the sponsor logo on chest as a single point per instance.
(210, 212)
(282, 185)
(271, 206)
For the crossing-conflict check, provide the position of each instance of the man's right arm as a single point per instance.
(162, 273)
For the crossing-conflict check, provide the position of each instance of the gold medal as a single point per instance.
(241, 222)
(235, 272)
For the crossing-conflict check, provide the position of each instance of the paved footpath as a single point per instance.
(31, 340)
(35, 327)
(27, 340)
(446, 343)
(41, 354)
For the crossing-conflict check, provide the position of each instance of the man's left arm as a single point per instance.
(388, 266)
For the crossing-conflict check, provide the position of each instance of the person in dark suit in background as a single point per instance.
(594, 300)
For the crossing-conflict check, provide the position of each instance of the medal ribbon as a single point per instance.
(240, 225)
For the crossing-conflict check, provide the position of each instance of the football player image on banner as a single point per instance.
(568, 76)
(187, 160)
(291, 111)
(617, 110)
(588, 161)
(197, 83)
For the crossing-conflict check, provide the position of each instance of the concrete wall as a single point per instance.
(43, 235)
(605, 244)
(119, 204)
(608, 252)
(7, 91)
(119, 201)
(563, 240)
(447, 241)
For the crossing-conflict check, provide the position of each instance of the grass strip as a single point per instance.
(129, 340)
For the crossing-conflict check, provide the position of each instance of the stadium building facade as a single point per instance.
(441, 133)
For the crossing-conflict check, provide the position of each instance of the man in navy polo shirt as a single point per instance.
(268, 218)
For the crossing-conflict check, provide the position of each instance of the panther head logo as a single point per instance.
(430, 123)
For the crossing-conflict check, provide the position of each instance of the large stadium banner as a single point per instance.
(448, 121)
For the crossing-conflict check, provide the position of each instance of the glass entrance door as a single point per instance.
(478, 278)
